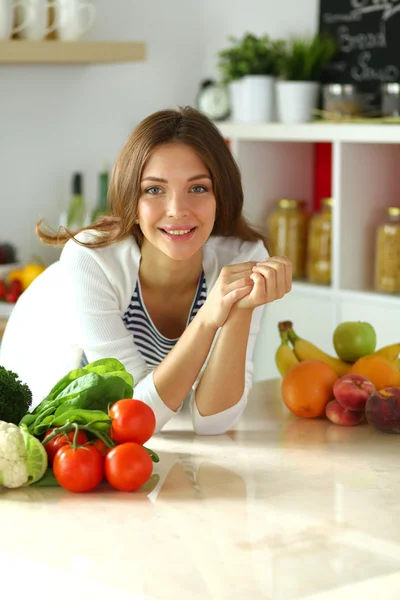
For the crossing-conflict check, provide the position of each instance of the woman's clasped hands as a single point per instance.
(246, 286)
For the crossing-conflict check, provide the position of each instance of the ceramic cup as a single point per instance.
(38, 27)
(7, 8)
(75, 18)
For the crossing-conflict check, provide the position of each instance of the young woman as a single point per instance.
(172, 283)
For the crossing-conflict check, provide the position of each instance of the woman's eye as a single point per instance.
(153, 191)
(198, 189)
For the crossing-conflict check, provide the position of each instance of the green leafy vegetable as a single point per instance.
(82, 417)
(15, 397)
(92, 388)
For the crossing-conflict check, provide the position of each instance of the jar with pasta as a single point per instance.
(387, 253)
(319, 244)
(287, 232)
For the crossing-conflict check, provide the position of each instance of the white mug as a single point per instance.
(37, 28)
(7, 8)
(75, 18)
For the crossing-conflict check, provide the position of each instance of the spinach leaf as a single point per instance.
(93, 387)
(82, 417)
(99, 396)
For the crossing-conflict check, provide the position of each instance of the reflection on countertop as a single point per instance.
(279, 508)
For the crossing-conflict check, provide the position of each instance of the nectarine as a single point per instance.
(383, 410)
(341, 416)
(352, 391)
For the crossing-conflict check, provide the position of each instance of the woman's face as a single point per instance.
(176, 208)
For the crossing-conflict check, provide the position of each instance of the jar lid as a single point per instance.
(394, 211)
(337, 89)
(390, 88)
(286, 203)
(327, 201)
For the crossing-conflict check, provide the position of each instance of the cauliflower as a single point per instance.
(23, 459)
(13, 456)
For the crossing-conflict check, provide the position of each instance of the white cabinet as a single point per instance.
(278, 161)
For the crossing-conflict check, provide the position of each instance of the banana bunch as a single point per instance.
(294, 349)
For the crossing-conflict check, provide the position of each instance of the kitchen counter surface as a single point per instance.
(280, 508)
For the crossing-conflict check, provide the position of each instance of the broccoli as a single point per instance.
(15, 397)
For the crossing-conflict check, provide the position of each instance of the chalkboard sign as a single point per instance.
(368, 37)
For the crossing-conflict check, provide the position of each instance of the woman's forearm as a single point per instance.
(176, 374)
(223, 380)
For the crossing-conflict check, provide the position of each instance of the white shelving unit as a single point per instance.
(277, 161)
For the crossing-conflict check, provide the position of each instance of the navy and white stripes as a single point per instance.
(153, 346)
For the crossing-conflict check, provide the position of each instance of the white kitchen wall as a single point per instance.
(277, 18)
(55, 120)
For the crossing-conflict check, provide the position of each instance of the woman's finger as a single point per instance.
(259, 291)
(283, 276)
(239, 283)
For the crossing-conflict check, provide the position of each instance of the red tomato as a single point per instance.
(78, 469)
(101, 447)
(132, 421)
(62, 440)
(128, 466)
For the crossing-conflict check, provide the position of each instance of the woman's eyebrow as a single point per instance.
(161, 180)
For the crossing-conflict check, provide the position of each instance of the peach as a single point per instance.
(383, 410)
(341, 416)
(352, 391)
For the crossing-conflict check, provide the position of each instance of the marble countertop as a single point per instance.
(280, 508)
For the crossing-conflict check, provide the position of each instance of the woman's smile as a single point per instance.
(177, 206)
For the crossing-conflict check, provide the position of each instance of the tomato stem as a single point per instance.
(154, 457)
(74, 441)
(64, 429)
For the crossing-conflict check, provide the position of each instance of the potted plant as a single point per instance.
(300, 66)
(249, 67)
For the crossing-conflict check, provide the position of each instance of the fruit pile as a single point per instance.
(360, 382)
(18, 281)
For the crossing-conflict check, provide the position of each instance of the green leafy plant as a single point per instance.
(93, 387)
(304, 59)
(250, 55)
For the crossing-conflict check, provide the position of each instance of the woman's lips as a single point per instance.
(179, 237)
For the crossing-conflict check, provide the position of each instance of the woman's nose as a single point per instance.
(177, 204)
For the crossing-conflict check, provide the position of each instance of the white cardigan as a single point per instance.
(77, 305)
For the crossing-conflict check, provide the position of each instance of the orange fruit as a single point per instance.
(308, 387)
(377, 369)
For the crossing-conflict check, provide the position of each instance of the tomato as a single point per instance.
(78, 469)
(132, 421)
(101, 447)
(62, 440)
(128, 466)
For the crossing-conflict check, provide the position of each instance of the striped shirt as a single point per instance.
(152, 345)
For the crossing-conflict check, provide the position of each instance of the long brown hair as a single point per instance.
(187, 126)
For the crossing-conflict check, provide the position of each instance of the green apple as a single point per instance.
(354, 339)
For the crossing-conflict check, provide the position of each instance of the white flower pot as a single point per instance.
(235, 94)
(252, 98)
(296, 100)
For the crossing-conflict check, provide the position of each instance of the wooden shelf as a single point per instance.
(21, 52)
(311, 132)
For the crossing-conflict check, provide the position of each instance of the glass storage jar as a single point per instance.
(342, 100)
(390, 99)
(387, 253)
(319, 244)
(287, 231)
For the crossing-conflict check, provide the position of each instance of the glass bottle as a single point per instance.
(76, 217)
(387, 253)
(287, 232)
(319, 268)
(101, 207)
